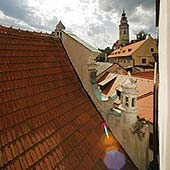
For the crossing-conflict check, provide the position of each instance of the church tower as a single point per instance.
(123, 30)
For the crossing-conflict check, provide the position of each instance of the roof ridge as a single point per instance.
(127, 50)
(8, 30)
(142, 41)
(81, 41)
(145, 95)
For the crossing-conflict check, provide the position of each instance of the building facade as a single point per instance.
(138, 54)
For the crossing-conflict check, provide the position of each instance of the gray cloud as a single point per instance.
(138, 20)
(15, 9)
(84, 1)
(19, 11)
(129, 6)
(100, 30)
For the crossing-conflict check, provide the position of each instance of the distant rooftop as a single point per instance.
(103, 66)
(127, 50)
(145, 74)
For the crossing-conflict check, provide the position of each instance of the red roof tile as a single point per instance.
(47, 121)
(145, 75)
(146, 108)
(127, 50)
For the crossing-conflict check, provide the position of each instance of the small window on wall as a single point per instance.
(126, 101)
(152, 50)
(143, 60)
(133, 102)
(124, 32)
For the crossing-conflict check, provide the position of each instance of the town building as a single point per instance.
(138, 56)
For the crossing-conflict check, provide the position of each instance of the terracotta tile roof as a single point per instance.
(145, 75)
(103, 77)
(145, 106)
(47, 121)
(127, 50)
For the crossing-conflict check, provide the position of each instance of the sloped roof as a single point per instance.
(144, 91)
(109, 78)
(84, 43)
(145, 106)
(103, 66)
(47, 121)
(145, 74)
(127, 50)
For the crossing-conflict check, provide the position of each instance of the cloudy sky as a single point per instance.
(95, 21)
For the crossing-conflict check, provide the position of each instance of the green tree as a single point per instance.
(107, 50)
(141, 35)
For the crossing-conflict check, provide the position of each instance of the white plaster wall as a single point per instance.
(164, 87)
(80, 57)
(137, 148)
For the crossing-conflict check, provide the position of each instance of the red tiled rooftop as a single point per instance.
(47, 121)
(127, 50)
(145, 74)
(145, 106)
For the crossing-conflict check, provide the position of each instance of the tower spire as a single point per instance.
(123, 14)
(123, 30)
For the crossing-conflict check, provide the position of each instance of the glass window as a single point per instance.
(143, 60)
(133, 102)
(126, 101)
(152, 50)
